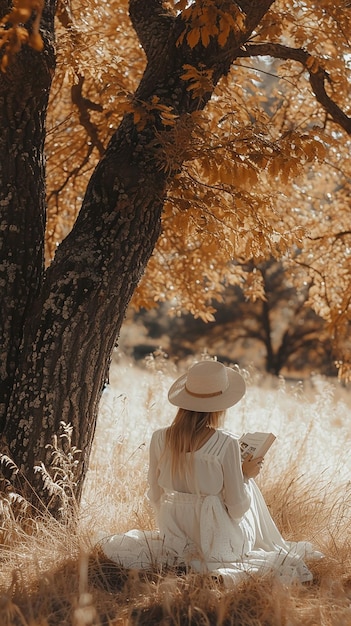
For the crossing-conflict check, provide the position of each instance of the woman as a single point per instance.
(210, 513)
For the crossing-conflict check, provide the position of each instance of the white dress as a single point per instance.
(210, 519)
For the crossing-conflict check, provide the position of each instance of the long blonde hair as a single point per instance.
(185, 434)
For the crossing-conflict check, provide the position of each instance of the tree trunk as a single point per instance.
(24, 90)
(74, 322)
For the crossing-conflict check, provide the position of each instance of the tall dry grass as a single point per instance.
(51, 575)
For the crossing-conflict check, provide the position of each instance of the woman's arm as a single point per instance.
(236, 489)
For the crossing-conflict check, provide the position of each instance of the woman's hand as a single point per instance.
(252, 467)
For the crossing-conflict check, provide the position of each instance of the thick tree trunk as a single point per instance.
(24, 91)
(74, 322)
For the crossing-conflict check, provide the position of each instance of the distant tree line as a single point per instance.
(279, 334)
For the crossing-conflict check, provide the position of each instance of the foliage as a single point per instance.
(13, 34)
(267, 172)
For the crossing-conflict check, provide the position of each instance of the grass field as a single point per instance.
(51, 574)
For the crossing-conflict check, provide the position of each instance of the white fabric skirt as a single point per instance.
(196, 532)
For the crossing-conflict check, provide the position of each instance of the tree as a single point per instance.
(277, 334)
(60, 326)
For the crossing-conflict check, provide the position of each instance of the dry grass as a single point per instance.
(51, 574)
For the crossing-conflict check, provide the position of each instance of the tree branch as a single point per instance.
(164, 77)
(317, 75)
(84, 105)
(254, 10)
(64, 14)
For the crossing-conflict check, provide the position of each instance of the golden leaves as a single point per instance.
(265, 171)
(175, 144)
(205, 20)
(13, 34)
(200, 80)
(226, 205)
(292, 153)
(111, 63)
(145, 112)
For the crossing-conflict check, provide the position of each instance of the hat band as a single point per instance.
(203, 395)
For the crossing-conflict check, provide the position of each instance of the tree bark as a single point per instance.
(73, 323)
(24, 90)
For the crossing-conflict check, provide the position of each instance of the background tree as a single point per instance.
(277, 333)
(225, 180)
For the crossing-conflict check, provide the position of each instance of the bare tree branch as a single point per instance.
(317, 75)
(64, 13)
(85, 105)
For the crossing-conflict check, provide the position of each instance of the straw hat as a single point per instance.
(207, 386)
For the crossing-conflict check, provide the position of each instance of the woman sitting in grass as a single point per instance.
(210, 513)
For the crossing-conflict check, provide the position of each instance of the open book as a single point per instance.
(256, 444)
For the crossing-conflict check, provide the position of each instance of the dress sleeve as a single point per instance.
(237, 497)
(155, 491)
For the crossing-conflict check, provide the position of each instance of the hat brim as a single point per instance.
(179, 396)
